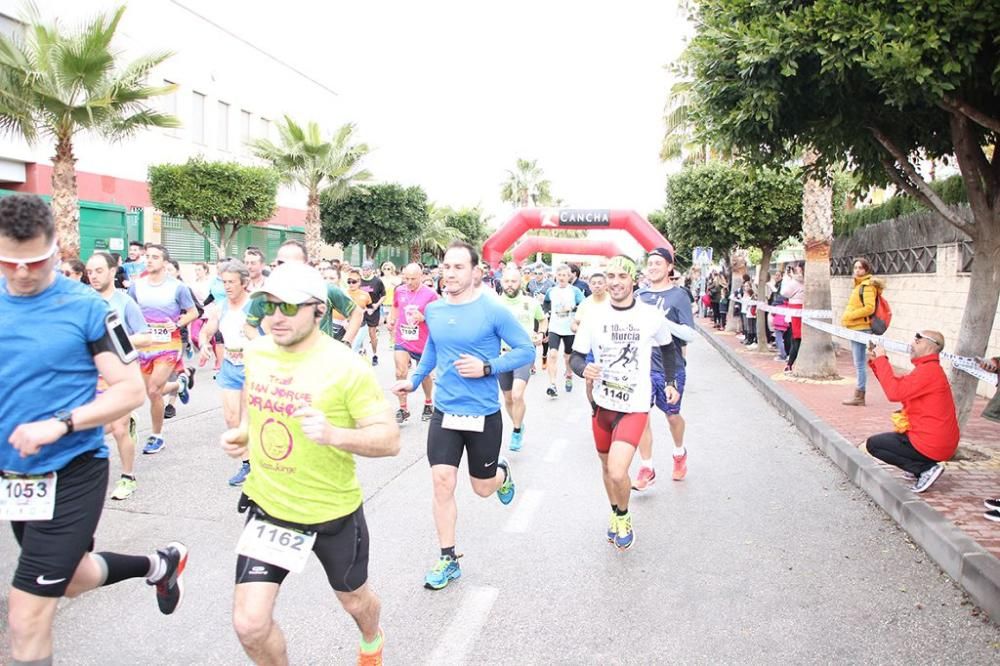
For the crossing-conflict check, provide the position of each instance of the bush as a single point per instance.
(951, 190)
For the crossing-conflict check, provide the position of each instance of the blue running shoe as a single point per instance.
(182, 391)
(153, 445)
(569, 385)
(624, 537)
(506, 491)
(613, 527)
(446, 569)
(241, 475)
(515, 439)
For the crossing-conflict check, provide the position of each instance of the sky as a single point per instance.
(449, 94)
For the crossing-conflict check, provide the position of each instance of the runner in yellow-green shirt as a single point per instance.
(312, 405)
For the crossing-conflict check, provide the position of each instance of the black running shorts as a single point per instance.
(341, 547)
(51, 550)
(445, 447)
(567, 341)
(372, 320)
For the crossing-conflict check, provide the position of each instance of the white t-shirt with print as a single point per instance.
(564, 301)
(622, 342)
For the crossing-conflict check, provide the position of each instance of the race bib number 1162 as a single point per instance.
(280, 546)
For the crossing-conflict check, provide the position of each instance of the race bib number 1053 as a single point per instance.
(27, 497)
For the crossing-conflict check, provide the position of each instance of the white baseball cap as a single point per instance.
(294, 283)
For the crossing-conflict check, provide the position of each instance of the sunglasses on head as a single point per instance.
(917, 336)
(287, 309)
(32, 264)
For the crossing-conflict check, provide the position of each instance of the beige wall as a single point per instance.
(923, 301)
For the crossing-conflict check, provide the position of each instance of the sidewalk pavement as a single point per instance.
(947, 521)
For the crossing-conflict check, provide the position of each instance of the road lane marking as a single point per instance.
(556, 450)
(465, 627)
(527, 505)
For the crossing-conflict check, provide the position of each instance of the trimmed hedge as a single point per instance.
(951, 190)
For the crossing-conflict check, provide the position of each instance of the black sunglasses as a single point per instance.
(287, 309)
(353, 281)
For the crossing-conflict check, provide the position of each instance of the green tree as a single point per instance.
(526, 185)
(305, 158)
(471, 223)
(883, 83)
(722, 206)
(223, 196)
(379, 215)
(57, 82)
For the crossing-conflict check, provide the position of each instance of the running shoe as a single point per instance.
(624, 537)
(516, 439)
(446, 569)
(645, 478)
(927, 478)
(169, 412)
(569, 384)
(191, 372)
(551, 391)
(123, 489)
(132, 426)
(506, 490)
(241, 475)
(401, 415)
(153, 445)
(613, 527)
(992, 514)
(681, 466)
(169, 588)
(182, 390)
(427, 413)
(372, 658)
(374, 359)
(993, 504)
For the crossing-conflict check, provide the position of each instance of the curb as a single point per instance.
(958, 554)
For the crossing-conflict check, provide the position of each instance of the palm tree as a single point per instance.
(679, 138)
(525, 185)
(304, 158)
(57, 82)
(436, 236)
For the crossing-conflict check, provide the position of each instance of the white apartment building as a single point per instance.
(229, 90)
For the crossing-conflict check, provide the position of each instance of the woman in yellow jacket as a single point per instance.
(857, 317)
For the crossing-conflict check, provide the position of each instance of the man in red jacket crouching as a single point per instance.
(926, 428)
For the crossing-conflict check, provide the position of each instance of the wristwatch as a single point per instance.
(67, 419)
(487, 369)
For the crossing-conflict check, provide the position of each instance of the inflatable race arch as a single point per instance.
(527, 219)
(532, 244)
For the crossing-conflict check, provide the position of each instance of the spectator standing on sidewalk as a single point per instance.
(992, 412)
(926, 429)
(858, 317)
(794, 291)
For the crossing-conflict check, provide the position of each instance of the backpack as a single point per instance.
(882, 316)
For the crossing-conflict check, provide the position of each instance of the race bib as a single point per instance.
(234, 356)
(409, 333)
(160, 333)
(281, 546)
(27, 497)
(617, 394)
(466, 423)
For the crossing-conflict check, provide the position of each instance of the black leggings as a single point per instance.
(792, 345)
(896, 449)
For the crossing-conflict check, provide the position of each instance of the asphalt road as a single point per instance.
(765, 554)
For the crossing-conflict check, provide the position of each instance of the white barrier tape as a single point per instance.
(963, 363)
(793, 312)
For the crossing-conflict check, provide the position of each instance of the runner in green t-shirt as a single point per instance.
(294, 251)
(312, 405)
(527, 311)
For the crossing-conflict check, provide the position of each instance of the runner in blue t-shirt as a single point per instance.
(101, 273)
(52, 456)
(664, 293)
(465, 329)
